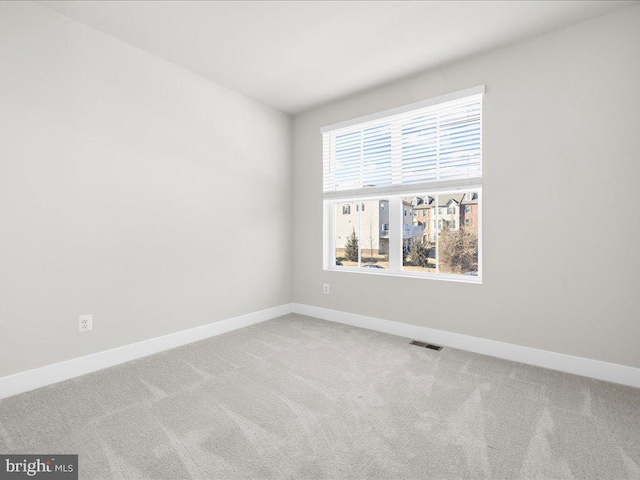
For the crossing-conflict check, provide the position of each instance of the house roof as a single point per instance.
(444, 200)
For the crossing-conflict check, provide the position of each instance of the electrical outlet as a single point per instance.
(325, 288)
(85, 323)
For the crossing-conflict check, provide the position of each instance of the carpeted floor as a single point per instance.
(300, 398)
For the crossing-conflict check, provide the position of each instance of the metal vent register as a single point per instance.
(426, 345)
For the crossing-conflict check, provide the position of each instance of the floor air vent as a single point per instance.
(426, 345)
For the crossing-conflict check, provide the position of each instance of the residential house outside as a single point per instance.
(370, 221)
(454, 211)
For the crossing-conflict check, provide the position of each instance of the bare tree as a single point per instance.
(458, 250)
(371, 239)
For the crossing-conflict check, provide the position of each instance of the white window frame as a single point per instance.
(395, 237)
(394, 195)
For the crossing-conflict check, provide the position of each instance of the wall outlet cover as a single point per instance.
(85, 323)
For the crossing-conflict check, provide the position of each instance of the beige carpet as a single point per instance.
(300, 398)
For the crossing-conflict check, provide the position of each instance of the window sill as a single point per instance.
(424, 276)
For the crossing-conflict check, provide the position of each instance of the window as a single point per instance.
(390, 167)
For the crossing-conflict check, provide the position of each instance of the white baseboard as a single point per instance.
(610, 372)
(57, 372)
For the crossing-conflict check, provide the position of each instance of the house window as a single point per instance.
(431, 151)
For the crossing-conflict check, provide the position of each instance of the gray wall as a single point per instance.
(129, 189)
(561, 225)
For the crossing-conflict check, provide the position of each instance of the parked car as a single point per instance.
(338, 262)
(371, 265)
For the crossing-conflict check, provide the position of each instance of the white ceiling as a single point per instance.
(298, 55)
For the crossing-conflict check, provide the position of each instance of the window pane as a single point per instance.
(418, 234)
(459, 145)
(362, 234)
(457, 239)
(376, 156)
(348, 149)
(420, 148)
(363, 158)
(347, 229)
(374, 234)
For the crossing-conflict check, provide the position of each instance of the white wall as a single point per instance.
(561, 140)
(124, 186)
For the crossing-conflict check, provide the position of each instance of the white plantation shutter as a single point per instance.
(433, 143)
